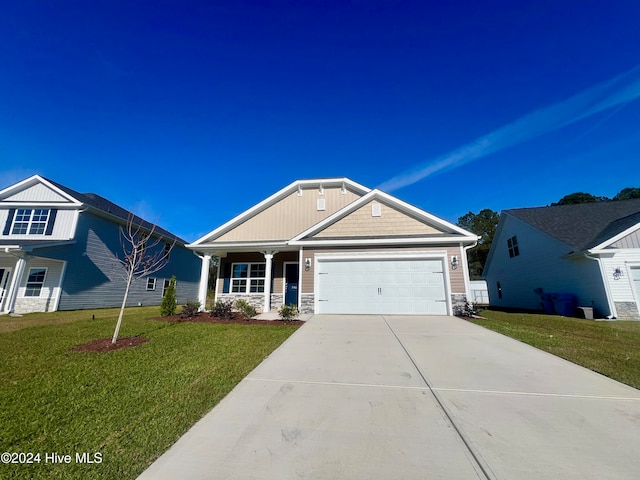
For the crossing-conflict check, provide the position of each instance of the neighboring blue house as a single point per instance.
(58, 248)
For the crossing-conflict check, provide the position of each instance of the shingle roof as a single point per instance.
(582, 226)
(107, 206)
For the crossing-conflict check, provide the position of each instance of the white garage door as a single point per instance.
(381, 286)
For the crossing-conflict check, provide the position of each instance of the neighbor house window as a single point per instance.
(35, 282)
(31, 221)
(165, 286)
(248, 277)
(151, 283)
(512, 243)
(167, 250)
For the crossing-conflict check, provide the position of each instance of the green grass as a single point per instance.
(129, 405)
(610, 348)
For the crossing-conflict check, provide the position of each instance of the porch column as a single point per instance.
(18, 271)
(204, 281)
(268, 256)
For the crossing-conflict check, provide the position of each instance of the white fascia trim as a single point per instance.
(377, 194)
(279, 195)
(385, 241)
(614, 239)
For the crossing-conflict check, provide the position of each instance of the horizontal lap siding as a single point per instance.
(93, 279)
(46, 301)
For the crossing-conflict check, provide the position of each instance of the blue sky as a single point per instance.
(191, 112)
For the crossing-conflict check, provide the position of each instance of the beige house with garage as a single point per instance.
(335, 246)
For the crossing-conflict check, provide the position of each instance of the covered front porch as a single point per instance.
(267, 279)
(28, 283)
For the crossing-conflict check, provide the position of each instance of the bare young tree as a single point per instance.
(141, 256)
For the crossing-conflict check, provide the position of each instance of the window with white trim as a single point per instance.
(35, 282)
(30, 220)
(151, 283)
(248, 277)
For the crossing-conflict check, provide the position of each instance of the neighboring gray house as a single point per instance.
(591, 250)
(57, 249)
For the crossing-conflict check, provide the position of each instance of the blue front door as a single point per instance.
(291, 276)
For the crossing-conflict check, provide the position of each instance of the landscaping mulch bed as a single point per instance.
(237, 318)
(105, 345)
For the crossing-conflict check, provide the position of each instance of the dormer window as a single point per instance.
(30, 221)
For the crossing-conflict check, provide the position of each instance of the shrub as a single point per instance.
(190, 309)
(469, 309)
(169, 301)
(222, 310)
(288, 312)
(245, 308)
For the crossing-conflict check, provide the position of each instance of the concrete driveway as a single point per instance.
(403, 397)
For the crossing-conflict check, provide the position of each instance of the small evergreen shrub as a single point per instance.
(288, 312)
(190, 309)
(469, 309)
(245, 308)
(222, 310)
(169, 301)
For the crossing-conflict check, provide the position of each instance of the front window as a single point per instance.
(248, 277)
(151, 283)
(31, 221)
(35, 282)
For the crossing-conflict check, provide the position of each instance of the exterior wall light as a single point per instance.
(617, 273)
(454, 262)
(307, 264)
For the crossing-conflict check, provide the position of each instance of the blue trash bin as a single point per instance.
(547, 303)
(565, 304)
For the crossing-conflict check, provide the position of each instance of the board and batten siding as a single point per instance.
(63, 227)
(38, 193)
(93, 278)
(540, 265)
(456, 277)
(290, 216)
(630, 241)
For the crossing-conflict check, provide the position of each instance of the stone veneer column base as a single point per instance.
(307, 303)
(627, 311)
(457, 303)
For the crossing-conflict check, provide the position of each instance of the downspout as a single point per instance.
(467, 286)
(607, 290)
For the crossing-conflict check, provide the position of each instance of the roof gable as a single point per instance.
(37, 190)
(582, 226)
(289, 211)
(379, 215)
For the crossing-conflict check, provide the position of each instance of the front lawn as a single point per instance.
(127, 406)
(610, 348)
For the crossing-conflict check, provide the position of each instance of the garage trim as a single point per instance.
(417, 255)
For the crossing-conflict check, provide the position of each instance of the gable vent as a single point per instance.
(376, 210)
